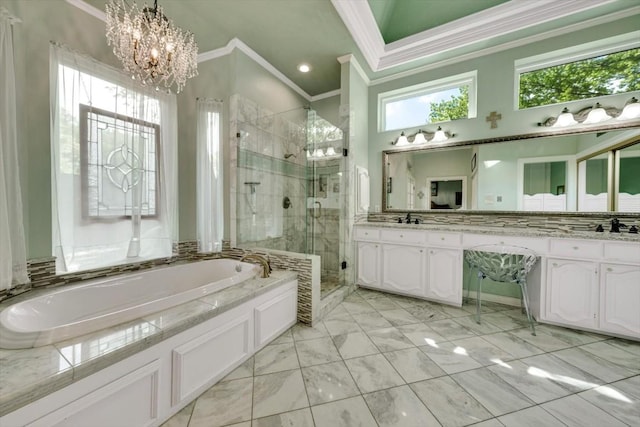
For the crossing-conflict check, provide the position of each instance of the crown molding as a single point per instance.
(614, 16)
(326, 95)
(86, 7)
(511, 16)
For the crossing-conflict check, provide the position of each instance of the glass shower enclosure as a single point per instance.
(289, 187)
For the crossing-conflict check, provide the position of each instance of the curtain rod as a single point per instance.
(4, 13)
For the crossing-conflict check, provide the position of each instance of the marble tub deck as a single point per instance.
(384, 360)
(29, 374)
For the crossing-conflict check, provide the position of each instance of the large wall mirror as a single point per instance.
(585, 172)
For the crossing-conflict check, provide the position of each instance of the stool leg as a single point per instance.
(525, 298)
(479, 296)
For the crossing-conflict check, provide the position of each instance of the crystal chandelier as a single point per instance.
(152, 49)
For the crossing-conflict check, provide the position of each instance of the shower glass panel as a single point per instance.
(325, 199)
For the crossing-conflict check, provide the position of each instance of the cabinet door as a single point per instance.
(620, 299)
(444, 269)
(572, 292)
(403, 269)
(369, 264)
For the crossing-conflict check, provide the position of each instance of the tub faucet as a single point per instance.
(408, 218)
(260, 260)
(616, 225)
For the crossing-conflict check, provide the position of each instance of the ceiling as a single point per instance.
(387, 37)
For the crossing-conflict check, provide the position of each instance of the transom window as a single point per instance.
(606, 67)
(442, 100)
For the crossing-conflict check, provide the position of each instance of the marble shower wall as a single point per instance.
(261, 177)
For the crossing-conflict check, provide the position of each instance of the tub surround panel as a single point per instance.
(28, 375)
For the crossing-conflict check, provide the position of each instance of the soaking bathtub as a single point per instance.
(100, 303)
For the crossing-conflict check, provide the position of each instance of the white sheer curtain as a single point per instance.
(114, 165)
(13, 257)
(209, 176)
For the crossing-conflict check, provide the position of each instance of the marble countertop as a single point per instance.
(27, 375)
(508, 231)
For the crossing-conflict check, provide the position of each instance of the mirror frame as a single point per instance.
(634, 124)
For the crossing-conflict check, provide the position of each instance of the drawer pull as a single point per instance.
(401, 236)
(421, 251)
(432, 252)
(576, 248)
(366, 234)
(502, 243)
(442, 238)
(555, 264)
(609, 269)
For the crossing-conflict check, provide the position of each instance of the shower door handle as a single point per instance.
(319, 209)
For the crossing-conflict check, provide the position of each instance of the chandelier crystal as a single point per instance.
(152, 49)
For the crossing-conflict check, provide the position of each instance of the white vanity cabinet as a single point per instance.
(403, 269)
(620, 299)
(368, 264)
(444, 275)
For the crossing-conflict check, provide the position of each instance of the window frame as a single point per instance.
(464, 79)
(567, 55)
(85, 110)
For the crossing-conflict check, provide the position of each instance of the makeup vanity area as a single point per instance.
(547, 194)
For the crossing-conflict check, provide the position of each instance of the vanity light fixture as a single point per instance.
(421, 137)
(564, 119)
(318, 152)
(597, 115)
(594, 115)
(631, 110)
(330, 152)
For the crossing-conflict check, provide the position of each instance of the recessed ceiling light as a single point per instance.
(304, 68)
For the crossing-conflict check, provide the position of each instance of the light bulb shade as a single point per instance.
(596, 115)
(564, 119)
(318, 152)
(439, 136)
(331, 151)
(419, 138)
(151, 48)
(402, 140)
(631, 110)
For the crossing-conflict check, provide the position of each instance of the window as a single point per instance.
(113, 166)
(451, 98)
(591, 70)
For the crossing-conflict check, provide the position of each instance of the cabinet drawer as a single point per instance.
(619, 251)
(403, 236)
(538, 245)
(444, 239)
(365, 233)
(575, 248)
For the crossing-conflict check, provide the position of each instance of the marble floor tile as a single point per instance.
(577, 412)
(224, 403)
(353, 345)
(513, 344)
(341, 326)
(630, 386)
(486, 307)
(562, 373)
(243, 371)
(354, 297)
(403, 301)
(543, 340)
(370, 321)
(279, 392)
(373, 373)
(450, 329)
(505, 322)
(389, 339)
(352, 412)
(399, 407)
(399, 316)
(383, 304)
(493, 422)
(470, 322)
(616, 401)
(530, 417)
(413, 365)
(426, 313)
(450, 403)
(299, 418)
(421, 334)
(302, 332)
(572, 337)
(369, 294)
(626, 345)
(450, 358)
(451, 311)
(182, 418)
(316, 352)
(614, 354)
(498, 396)
(285, 337)
(607, 370)
(328, 382)
(482, 351)
(337, 313)
(537, 388)
(276, 358)
(358, 307)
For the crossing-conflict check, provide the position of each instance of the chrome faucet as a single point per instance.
(616, 225)
(408, 218)
(259, 260)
